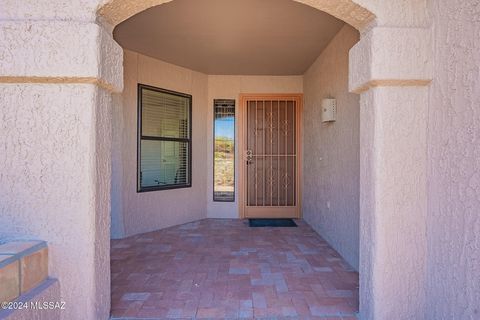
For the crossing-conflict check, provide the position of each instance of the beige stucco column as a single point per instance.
(56, 79)
(391, 69)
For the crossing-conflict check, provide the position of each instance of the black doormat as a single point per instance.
(271, 223)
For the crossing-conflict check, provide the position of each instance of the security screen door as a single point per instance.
(271, 156)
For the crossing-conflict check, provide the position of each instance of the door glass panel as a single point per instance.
(224, 151)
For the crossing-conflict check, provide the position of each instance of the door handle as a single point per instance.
(249, 157)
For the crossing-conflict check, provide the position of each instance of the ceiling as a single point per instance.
(241, 37)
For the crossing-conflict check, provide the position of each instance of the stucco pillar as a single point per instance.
(391, 69)
(56, 79)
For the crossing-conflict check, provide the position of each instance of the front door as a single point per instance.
(271, 156)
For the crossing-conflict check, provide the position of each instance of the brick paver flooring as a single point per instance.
(222, 269)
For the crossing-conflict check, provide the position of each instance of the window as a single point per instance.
(224, 151)
(164, 139)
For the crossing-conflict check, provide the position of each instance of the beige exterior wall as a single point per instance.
(147, 211)
(393, 202)
(53, 140)
(54, 169)
(391, 68)
(48, 291)
(331, 166)
(230, 87)
(454, 163)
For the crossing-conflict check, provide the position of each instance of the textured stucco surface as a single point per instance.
(63, 50)
(52, 166)
(367, 241)
(117, 227)
(155, 210)
(102, 174)
(116, 11)
(397, 13)
(393, 148)
(371, 58)
(392, 282)
(454, 163)
(331, 165)
(230, 87)
(47, 163)
(358, 13)
(78, 10)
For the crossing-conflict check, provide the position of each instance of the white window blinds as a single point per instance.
(164, 139)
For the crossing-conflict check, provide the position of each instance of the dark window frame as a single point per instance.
(140, 137)
(234, 151)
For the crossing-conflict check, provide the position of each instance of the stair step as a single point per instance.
(23, 266)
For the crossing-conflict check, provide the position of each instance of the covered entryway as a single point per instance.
(62, 79)
(330, 199)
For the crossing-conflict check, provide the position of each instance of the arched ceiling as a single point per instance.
(254, 37)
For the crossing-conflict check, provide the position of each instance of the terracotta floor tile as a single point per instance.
(216, 269)
(211, 313)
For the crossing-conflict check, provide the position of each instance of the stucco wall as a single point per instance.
(331, 150)
(391, 68)
(230, 87)
(54, 186)
(48, 291)
(393, 212)
(454, 163)
(47, 160)
(147, 211)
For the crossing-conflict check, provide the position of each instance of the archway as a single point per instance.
(115, 11)
(391, 87)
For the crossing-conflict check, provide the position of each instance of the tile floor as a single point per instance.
(222, 269)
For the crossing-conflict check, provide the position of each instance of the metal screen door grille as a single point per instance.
(271, 153)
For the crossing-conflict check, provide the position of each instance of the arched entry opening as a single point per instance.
(114, 12)
(377, 261)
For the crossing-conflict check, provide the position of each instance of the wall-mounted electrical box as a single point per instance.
(329, 110)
